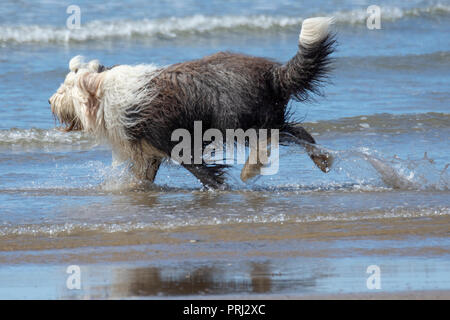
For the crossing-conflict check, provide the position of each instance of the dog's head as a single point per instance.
(76, 102)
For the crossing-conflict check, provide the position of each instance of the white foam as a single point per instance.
(174, 26)
(169, 27)
(67, 229)
(43, 137)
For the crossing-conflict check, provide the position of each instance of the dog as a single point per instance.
(136, 108)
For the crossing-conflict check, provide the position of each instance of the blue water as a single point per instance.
(388, 99)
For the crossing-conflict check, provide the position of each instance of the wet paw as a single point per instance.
(323, 161)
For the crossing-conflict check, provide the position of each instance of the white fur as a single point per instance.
(77, 63)
(119, 89)
(314, 30)
(123, 86)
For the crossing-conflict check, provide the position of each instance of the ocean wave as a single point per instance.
(43, 138)
(80, 229)
(413, 62)
(390, 14)
(378, 123)
(198, 24)
(382, 123)
(124, 184)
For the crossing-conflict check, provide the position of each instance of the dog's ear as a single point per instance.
(90, 84)
(76, 63)
(95, 66)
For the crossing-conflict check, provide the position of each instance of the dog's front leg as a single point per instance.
(146, 170)
(153, 165)
(146, 161)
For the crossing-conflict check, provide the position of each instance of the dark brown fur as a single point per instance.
(231, 91)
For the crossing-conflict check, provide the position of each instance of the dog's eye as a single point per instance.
(76, 70)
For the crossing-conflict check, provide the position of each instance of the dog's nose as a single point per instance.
(49, 101)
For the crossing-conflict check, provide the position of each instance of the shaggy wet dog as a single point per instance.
(137, 108)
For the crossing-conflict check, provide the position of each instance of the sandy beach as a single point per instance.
(316, 260)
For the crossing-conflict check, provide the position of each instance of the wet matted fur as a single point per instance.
(136, 108)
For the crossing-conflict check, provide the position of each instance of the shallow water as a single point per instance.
(385, 118)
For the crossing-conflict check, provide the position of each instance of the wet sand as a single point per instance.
(315, 260)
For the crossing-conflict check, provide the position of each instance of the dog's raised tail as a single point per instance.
(302, 75)
(314, 31)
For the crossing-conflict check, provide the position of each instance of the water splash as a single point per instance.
(422, 174)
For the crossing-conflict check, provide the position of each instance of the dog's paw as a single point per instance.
(323, 161)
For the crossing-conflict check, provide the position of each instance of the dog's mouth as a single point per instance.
(68, 124)
(64, 113)
(74, 125)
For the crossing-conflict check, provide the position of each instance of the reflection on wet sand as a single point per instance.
(196, 199)
(259, 278)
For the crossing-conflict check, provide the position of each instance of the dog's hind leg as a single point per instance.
(253, 165)
(211, 176)
(297, 134)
